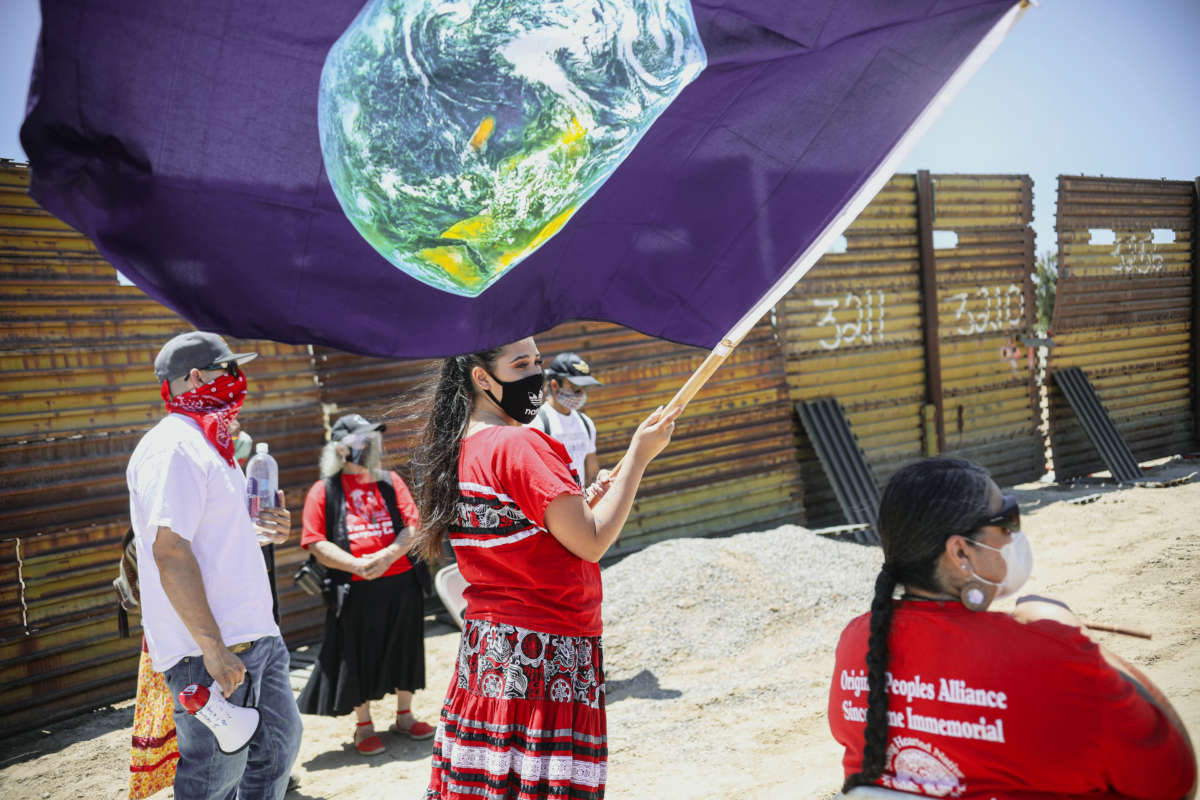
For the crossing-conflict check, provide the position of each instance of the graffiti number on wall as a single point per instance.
(865, 328)
(1003, 309)
(1134, 254)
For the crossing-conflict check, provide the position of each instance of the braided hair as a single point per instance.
(447, 408)
(923, 505)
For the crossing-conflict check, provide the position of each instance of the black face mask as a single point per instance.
(522, 398)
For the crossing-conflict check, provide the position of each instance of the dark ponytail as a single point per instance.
(447, 405)
(875, 745)
(924, 504)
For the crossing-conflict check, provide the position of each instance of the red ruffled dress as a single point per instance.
(524, 715)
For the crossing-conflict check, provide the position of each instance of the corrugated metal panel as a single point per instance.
(1095, 420)
(78, 391)
(1124, 312)
(845, 464)
(853, 329)
(731, 465)
(985, 304)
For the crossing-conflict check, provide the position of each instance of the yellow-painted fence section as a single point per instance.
(1126, 313)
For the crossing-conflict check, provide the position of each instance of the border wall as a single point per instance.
(916, 327)
(78, 392)
(1125, 313)
(923, 372)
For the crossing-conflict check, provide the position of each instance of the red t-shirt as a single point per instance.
(519, 573)
(981, 706)
(368, 523)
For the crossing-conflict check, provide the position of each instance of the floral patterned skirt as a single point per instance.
(154, 752)
(523, 718)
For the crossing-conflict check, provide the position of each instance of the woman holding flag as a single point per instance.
(937, 696)
(524, 715)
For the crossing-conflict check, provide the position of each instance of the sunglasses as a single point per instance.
(230, 368)
(1008, 517)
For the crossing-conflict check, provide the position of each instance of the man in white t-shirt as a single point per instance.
(567, 379)
(205, 596)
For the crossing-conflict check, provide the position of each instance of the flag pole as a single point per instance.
(858, 202)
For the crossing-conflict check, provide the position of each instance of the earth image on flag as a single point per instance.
(460, 136)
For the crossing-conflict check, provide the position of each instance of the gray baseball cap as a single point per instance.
(194, 350)
(353, 423)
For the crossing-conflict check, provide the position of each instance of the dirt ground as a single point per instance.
(693, 729)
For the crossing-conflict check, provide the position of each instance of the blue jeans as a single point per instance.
(258, 771)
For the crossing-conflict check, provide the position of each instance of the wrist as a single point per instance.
(210, 646)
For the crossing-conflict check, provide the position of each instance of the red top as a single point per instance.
(981, 706)
(519, 573)
(368, 523)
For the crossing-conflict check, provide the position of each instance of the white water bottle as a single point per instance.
(262, 482)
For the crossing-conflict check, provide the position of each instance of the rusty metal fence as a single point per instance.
(915, 326)
(78, 392)
(1125, 314)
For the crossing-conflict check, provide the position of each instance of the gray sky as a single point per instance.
(1095, 87)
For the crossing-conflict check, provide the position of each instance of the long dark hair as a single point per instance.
(923, 505)
(447, 406)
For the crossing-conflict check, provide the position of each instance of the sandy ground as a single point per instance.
(691, 727)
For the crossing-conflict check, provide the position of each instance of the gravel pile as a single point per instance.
(687, 600)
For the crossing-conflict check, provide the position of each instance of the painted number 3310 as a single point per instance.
(1003, 309)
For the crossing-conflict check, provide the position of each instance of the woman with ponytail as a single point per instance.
(524, 715)
(937, 696)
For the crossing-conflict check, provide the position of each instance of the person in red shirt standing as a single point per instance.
(524, 715)
(359, 522)
(934, 695)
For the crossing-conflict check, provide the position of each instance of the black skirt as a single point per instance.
(375, 646)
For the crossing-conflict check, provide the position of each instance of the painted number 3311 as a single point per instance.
(865, 328)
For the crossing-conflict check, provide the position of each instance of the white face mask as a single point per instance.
(1018, 564)
(571, 401)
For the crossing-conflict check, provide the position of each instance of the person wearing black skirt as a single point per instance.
(359, 521)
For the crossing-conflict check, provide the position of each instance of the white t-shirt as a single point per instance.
(177, 480)
(576, 436)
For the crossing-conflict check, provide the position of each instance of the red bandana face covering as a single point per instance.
(214, 405)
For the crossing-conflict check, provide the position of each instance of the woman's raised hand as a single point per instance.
(653, 434)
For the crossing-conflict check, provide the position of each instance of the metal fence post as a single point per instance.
(1195, 321)
(929, 313)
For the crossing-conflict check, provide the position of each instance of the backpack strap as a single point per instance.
(335, 524)
(542, 420)
(588, 425)
(388, 492)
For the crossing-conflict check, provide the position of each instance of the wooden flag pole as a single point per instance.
(693, 385)
(703, 372)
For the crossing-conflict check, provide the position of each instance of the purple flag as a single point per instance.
(183, 139)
